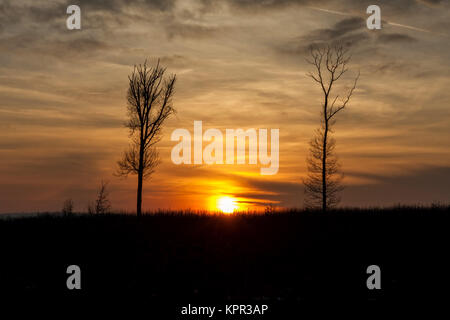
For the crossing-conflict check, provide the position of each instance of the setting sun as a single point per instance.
(226, 204)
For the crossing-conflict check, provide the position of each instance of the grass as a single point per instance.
(288, 255)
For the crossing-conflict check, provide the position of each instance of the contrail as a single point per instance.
(408, 27)
(385, 21)
(330, 11)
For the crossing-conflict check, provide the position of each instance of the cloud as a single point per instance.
(252, 5)
(120, 6)
(66, 120)
(395, 38)
(421, 186)
(37, 17)
(191, 30)
(348, 31)
(418, 186)
(67, 47)
(431, 3)
(340, 29)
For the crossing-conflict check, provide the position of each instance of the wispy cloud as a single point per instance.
(384, 21)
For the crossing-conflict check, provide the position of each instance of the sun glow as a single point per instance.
(226, 204)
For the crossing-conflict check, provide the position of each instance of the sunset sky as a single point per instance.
(239, 64)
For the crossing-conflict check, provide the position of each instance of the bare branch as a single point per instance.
(347, 99)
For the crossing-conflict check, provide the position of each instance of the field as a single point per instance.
(290, 256)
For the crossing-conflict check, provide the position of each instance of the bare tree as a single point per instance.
(149, 99)
(91, 207)
(67, 207)
(323, 182)
(101, 205)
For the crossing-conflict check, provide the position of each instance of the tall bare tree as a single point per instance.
(323, 183)
(149, 99)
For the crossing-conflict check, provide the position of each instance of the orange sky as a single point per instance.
(239, 65)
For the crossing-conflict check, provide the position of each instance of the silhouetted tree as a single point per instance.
(102, 204)
(91, 207)
(323, 182)
(67, 207)
(149, 105)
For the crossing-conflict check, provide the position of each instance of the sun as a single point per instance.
(226, 204)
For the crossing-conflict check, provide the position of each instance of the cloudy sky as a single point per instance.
(240, 64)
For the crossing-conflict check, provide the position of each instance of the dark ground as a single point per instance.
(277, 258)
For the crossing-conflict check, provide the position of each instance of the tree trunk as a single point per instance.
(140, 178)
(324, 156)
(324, 170)
(139, 195)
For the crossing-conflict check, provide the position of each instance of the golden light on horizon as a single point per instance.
(226, 204)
